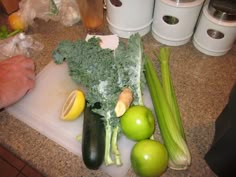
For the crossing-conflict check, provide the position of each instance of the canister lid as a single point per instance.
(224, 10)
(183, 1)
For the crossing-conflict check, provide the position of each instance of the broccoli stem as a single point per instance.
(115, 149)
(108, 160)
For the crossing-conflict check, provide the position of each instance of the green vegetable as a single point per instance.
(5, 34)
(163, 58)
(93, 141)
(105, 73)
(131, 66)
(53, 8)
(179, 155)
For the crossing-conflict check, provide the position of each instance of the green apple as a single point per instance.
(138, 123)
(149, 158)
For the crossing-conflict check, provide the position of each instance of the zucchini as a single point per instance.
(93, 141)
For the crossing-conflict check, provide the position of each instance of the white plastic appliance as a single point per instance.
(126, 17)
(216, 31)
(174, 20)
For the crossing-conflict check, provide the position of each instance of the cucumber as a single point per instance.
(93, 140)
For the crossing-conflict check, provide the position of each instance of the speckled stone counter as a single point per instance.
(202, 85)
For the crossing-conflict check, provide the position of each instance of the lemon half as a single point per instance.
(73, 106)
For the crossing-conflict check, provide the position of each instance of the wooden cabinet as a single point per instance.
(10, 5)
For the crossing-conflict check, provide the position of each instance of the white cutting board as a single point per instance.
(41, 109)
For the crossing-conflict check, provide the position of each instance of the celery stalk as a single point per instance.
(168, 87)
(179, 155)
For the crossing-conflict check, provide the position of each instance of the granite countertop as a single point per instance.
(202, 85)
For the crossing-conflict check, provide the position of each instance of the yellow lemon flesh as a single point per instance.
(73, 106)
(16, 22)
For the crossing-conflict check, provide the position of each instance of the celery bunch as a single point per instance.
(167, 111)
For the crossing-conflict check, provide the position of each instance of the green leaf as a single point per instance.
(3, 32)
(3, 29)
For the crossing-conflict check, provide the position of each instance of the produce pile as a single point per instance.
(105, 74)
(114, 82)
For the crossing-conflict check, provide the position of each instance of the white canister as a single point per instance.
(174, 21)
(126, 17)
(214, 35)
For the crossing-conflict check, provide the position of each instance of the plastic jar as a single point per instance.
(126, 17)
(174, 20)
(216, 31)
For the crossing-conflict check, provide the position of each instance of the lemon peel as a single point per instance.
(73, 106)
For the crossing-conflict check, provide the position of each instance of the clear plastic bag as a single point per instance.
(42, 9)
(65, 11)
(69, 12)
(19, 44)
